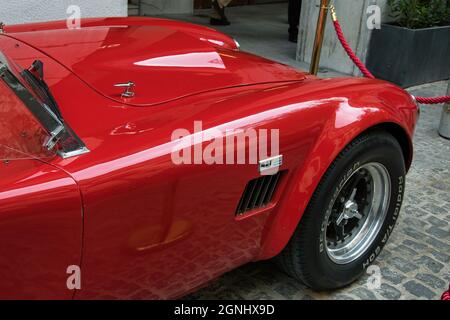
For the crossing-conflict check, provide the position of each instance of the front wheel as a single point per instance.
(350, 216)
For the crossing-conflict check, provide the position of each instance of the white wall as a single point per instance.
(23, 11)
(157, 7)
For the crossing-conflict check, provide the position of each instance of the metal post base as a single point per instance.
(444, 128)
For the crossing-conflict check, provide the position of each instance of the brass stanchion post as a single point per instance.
(320, 31)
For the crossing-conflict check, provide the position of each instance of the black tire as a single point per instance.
(304, 258)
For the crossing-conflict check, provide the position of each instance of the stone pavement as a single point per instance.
(416, 262)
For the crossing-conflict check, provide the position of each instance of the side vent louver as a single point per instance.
(258, 193)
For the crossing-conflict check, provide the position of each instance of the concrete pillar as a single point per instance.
(444, 129)
(159, 7)
(353, 18)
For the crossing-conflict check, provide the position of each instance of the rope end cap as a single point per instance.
(333, 13)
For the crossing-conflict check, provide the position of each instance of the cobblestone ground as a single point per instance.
(416, 262)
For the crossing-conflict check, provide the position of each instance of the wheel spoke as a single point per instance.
(352, 196)
(357, 215)
(340, 218)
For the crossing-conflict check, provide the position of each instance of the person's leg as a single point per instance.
(224, 3)
(218, 17)
(295, 7)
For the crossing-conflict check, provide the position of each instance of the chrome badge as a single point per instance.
(271, 165)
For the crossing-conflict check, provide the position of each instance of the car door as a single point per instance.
(40, 210)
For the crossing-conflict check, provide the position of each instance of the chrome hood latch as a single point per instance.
(129, 86)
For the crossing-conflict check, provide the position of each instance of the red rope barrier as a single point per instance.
(446, 295)
(363, 68)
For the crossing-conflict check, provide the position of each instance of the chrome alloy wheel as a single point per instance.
(358, 213)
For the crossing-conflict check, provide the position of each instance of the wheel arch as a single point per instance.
(352, 107)
(282, 225)
(400, 135)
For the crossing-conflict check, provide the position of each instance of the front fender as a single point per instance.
(362, 104)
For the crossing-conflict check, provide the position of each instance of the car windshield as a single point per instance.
(21, 135)
(30, 88)
(34, 76)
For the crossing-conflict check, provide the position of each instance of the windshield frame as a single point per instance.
(61, 136)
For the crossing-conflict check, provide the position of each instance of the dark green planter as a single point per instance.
(410, 57)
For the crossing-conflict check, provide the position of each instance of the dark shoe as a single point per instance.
(219, 22)
(221, 12)
(293, 37)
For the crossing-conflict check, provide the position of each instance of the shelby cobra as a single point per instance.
(93, 205)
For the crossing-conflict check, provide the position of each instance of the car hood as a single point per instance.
(164, 63)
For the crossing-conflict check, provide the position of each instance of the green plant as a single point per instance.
(416, 14)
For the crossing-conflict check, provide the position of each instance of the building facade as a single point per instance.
(16, 12)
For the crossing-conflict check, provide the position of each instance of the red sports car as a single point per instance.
(135, 162)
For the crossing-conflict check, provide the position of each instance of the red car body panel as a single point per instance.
(40, 210)
(164, 62)
(153, 229)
